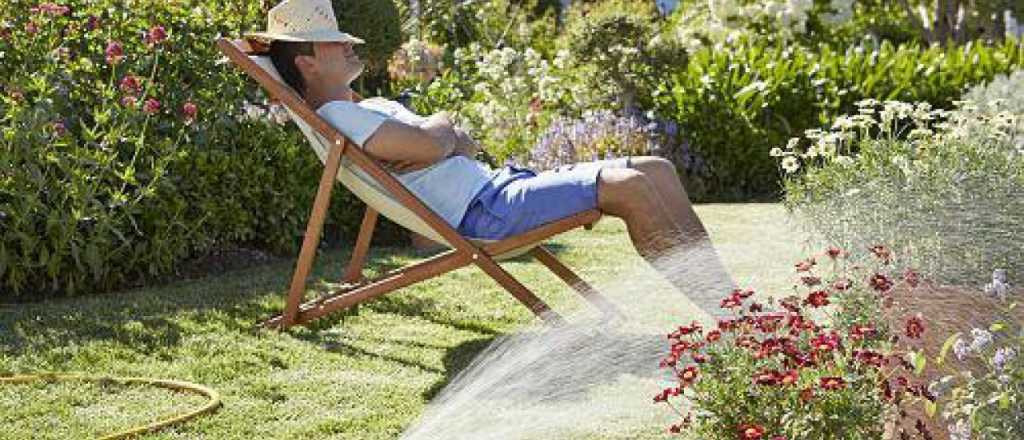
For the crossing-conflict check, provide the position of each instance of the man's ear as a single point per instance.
(306, 64)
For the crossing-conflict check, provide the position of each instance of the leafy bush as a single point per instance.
(736, 103)
(944, 184)
(820, 365)
(377, 22)
(123, 151)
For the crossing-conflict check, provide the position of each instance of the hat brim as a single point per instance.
(323, 36)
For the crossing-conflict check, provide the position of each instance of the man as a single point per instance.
(433, 157)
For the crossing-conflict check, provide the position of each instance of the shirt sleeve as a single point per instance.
(355, 122)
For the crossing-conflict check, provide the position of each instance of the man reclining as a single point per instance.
(433, 158)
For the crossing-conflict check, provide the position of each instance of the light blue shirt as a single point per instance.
(447, 187)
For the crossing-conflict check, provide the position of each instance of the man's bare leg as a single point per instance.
(666, 231)
(662, 174)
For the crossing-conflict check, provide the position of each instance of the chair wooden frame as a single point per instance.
(356, 288)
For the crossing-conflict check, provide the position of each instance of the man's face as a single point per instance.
(337, 61)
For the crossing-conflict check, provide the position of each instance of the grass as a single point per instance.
(363, 375)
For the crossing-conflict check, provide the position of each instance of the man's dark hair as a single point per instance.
(282, 54)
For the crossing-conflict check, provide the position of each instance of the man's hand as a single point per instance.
(455, 140)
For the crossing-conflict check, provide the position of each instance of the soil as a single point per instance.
(946, 310)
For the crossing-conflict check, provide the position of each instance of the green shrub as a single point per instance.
(736, 103)
(98, 193)
(616, 49)
(377, 22)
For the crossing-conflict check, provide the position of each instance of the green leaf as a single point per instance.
(920, 361)
(930, 408)
(997, 326)
(946, 346)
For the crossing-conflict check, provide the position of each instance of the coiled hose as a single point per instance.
(175, 385)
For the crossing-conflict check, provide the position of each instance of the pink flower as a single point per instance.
(128, 101)
(114, 52)
(31, 28)
(156, 35)
(59, 129)
(151, 106)
(841, 284)
(751, 432)
(189, 110)
(50, 8)
(92, 23)
(130, 84)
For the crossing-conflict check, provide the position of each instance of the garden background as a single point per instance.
(133, 155)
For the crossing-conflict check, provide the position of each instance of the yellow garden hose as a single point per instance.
(175, 385)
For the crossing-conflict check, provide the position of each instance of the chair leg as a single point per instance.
(309, 242)
(354, 272)
(389, 282)
(585, 290)
(517, 289)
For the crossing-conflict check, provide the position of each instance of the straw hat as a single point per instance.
(303, 20)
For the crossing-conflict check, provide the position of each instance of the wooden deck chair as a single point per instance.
(384, 194)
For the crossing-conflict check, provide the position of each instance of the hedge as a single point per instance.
(125, 148)
(737, 103)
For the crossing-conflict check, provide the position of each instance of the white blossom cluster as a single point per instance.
(265, 111)
(511, 87)
(892, 120)
(728, 20)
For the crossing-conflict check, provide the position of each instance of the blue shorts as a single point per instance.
(517, 200)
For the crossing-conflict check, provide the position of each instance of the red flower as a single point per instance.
(842, 284)
(862, 331)
(732, 301)
(751, 432)
(883, 253)
(790, 377)
(807, 394)
(833, 252)
(805, 265)
(768, 377)
(832, 383)
(743, 293)
(869, 357)
(156, 35)
(114, 52)
(699, 358)
(810, 281)
(689, 374)
(911, 277)
(756, 307)
(189, 110)
(825, 342)
(151, 106)
(914, 327)
(130, 85)
(714, 336)
(880, 282)
(818, 298)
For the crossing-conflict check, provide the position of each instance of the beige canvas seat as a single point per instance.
(383, 194)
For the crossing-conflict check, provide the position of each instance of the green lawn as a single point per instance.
(367, 375)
